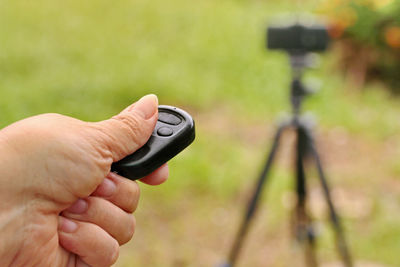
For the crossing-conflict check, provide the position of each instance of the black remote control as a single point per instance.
(174, 131)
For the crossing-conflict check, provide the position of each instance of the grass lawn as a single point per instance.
(90, 59)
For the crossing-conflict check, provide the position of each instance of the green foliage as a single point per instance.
(367, 19)
(369, 33)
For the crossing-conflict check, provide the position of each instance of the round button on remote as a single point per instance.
(165, 131)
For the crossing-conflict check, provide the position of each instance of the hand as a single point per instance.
(59, 203)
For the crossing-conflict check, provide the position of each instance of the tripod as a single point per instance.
(305, 149)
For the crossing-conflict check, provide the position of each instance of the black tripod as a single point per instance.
(305, 149)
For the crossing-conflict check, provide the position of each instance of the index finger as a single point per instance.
(157, 177)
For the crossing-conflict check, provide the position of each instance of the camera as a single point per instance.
(298, 38)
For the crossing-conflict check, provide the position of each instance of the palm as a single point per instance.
(66, 163)
(45, 251)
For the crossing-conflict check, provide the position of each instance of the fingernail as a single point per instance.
(66, 225)
(107, 188)
(79, 207)
(146, 106)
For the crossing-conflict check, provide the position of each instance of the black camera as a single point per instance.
(298, 38)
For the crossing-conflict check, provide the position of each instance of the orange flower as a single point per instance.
(336, 29)
(342, 19)
(392, 36)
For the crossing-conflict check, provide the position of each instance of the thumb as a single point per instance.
(126, 132)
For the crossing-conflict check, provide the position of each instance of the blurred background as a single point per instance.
(90, 59)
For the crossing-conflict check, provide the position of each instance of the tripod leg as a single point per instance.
(252, 206)
(302, 221)
(340, 237)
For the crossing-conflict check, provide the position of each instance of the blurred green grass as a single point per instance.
(90, 59)
(55, 56)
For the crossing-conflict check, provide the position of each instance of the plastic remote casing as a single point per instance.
(173, 132)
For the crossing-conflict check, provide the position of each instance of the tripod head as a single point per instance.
(298, 39)
(299, 90)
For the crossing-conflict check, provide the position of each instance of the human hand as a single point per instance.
(59, 203)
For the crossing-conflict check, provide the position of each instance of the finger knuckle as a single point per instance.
(114, 253)
(129, 230)
(133, 125)
(133, 197)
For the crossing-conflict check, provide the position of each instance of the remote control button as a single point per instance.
(165, 131)
(169, 118)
